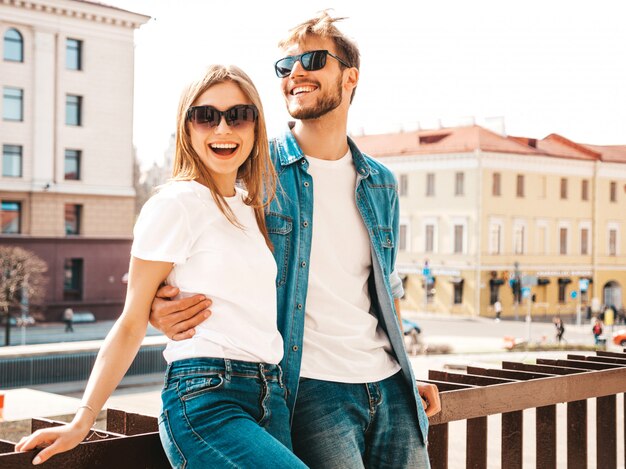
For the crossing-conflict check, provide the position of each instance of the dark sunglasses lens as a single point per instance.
(314, 60)
(239, 115)
(205, 115)
(284, 66)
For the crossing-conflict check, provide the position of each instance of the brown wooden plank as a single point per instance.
(128, 423)
(445, 386)
(577, 435)
(510, 374)
(138, 451)
(465, 378)
(39, 423)
(606, 438)
(582, 364)
(600, 359)
(6, 446)
(509, 397)
(512, 439)
(438, 446)
(546, 436)
(602, 353)
(476, 447)
(554, 370)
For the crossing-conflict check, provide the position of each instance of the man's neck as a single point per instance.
(324, 138)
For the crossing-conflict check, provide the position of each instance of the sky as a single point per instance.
(540, 67)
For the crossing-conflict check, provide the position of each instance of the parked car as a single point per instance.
(619, 337)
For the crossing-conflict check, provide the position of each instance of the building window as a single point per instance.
(458, 292)
(73, 279)
(11, 217)
(495, 239)
(73, 109)
(12, 161)
(13, 46)
(543, 187)
(584, 241)
(72, 165)
(404, 184)
(563, 282)
(430, 184)
(459, 183)
(73, 54)
(520, 185)
(402, 245)
(495, 184)
(613, 191)
(458, 239)
(563, 188)
(13, 104)
(612, 242)
(72, 219)
(563, 240)
(518, 239)
(430, 238)
(584, 190)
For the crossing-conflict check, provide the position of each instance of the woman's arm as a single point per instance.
(115, 357)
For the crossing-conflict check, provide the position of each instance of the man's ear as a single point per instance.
(351, 79)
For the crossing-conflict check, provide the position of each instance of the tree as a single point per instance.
(21, 277)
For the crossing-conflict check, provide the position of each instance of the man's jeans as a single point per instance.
(351, 426)
(225, 413)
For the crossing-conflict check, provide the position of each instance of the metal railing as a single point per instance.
(516, 387)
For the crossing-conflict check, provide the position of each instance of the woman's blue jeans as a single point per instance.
(222, 413)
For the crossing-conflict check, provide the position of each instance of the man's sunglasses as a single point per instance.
(236, 116)
(311, 61)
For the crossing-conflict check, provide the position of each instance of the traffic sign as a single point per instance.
(583, 284)
(525, 292)
(573, 294)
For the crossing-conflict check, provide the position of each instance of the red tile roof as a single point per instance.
(468, 139)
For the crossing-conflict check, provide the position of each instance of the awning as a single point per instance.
(564, 280)
(543, 281)
(496, 281)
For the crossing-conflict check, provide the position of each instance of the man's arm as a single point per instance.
(177, 319)
(430, 398)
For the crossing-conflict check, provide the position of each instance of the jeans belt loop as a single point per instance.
(280, 376)
(262, 373)
(228, 369)
(166, 379)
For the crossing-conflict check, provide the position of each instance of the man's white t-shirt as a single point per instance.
(233, 266)
(343, 341)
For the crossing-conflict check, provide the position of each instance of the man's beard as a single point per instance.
(324, 105)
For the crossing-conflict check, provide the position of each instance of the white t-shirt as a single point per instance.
(234, 267)
(343, 342)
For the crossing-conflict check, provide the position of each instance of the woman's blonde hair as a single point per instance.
(256, 173)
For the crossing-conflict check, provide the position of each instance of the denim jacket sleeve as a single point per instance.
(394, 279)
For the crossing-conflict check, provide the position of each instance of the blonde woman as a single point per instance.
(224, 398)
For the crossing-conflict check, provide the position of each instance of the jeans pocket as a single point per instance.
(171, 448)
(197, 386)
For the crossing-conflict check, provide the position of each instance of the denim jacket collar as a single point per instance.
(289, 152)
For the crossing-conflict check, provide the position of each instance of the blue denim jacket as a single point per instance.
(289, 223)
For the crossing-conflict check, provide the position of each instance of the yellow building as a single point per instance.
(535, 224)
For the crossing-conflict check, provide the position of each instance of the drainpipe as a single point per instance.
(479, 223)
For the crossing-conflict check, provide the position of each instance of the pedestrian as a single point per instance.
(224, 402)
(497, 307)
(597, 330)
(560, 329)
(338, 290)
(68, 319)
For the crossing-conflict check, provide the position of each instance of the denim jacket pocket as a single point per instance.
(279, 228)
(194, 387)
(387, 244)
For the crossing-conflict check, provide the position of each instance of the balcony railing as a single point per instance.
(132, 440)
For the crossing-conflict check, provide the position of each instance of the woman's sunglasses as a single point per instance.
(236, 116)
(311, 61)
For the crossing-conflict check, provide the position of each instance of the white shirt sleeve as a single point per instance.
(162, 232)
(397, 291)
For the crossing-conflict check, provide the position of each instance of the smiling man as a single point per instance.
(350, 387)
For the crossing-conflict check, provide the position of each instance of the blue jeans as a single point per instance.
(223, 413)
(351, 426)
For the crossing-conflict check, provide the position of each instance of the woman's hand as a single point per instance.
(54, 440)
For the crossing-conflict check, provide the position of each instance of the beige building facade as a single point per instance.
(67, 77)
(535, 224)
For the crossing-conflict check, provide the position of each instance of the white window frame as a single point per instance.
(568, 240)
(493, 223)
(545, 249)
(584, 225)
(454, 221)
(520, 223)
(405, 222)
(435, 223)
(613, 225)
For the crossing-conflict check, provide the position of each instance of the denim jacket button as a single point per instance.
(303, 264)
(306, 183)
(299, 305)
(294, 348)
(305, 223)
